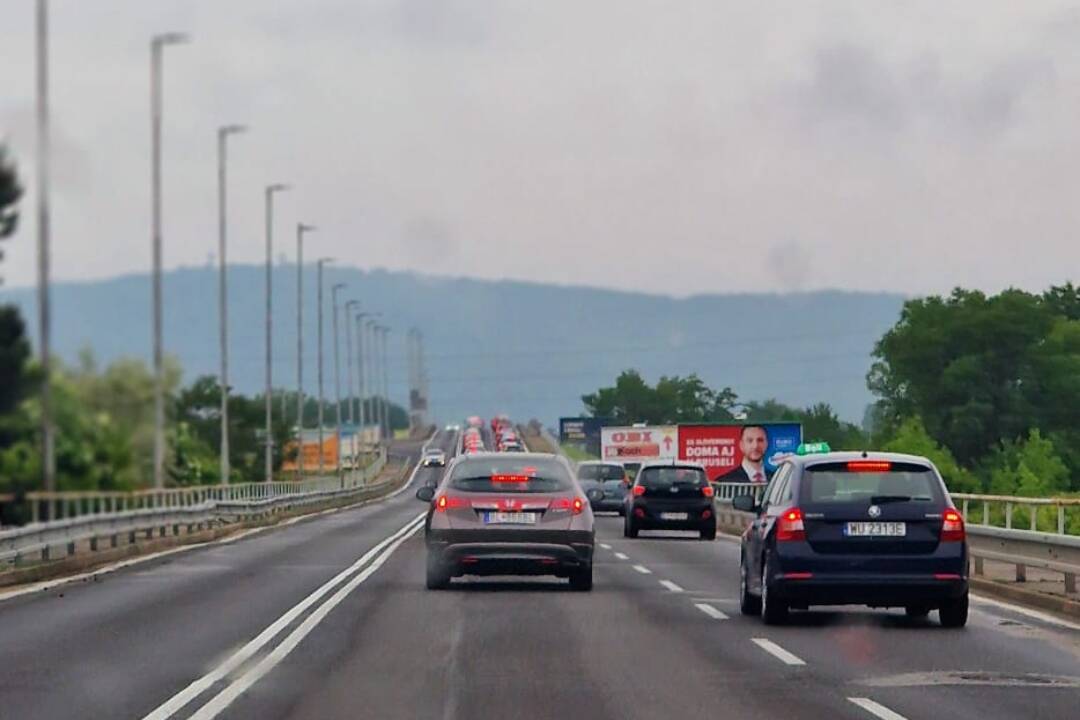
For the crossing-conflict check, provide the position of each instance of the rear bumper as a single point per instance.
(876, 590)
(535, 553)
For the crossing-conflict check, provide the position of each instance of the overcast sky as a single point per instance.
(676, 147)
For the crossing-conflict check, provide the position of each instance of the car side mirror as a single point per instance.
(744, 503)
(426, 493)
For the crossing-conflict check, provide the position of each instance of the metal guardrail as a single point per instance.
(106, 517)
(1003, 508)
(64, 505)
(1056, 552)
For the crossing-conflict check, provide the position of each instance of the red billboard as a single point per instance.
(739, 453)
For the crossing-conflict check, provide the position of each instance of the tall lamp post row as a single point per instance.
(158, 43)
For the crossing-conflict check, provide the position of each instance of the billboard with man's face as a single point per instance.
(739, 453)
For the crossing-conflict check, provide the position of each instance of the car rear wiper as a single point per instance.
(882, 499)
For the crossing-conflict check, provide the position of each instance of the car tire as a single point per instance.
(954, 613)
(438, 575)
(774, 611)
(631, 528)
(581, 579)
(748, 604)
(916, 612)
(708, 533)
(622, 512)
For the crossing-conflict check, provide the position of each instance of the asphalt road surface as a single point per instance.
(329, 618)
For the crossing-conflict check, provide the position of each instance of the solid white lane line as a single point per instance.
(876, 709)
(622, 556)
(1034, 614)
(643, 570)
(711, 611)
(223, 699)
(671, 586)
(605, 546)
(778, 652)
(241, 656)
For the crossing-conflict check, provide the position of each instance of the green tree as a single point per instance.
(673, 400)
(911, 438)
(10, 193)
(978, 369)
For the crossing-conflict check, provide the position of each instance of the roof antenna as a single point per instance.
(864, 454)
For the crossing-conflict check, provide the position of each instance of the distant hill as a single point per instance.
(526, 349)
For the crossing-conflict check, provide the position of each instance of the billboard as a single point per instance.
(582, 431)
(635, 444)
(739, 453)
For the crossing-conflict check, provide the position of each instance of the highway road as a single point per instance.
(329, 618)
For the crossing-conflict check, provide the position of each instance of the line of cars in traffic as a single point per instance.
(829, 528)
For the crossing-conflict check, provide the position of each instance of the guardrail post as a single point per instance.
(1034, 518)
(93, 544)
(1070, 582)
(965, 507)
(979, 569)
(986, 512)
(1008, 516)
(1021, 573)
(1061, 522)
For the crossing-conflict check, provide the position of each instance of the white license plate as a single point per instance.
(510, 518)
(875, 529)
(674, 516)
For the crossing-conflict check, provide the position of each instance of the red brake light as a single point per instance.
(509, 478)
(639, 490)
(952, 526)
(790, 528)
(875, 466)
(707, 491)
(446, 502)
(576, 506)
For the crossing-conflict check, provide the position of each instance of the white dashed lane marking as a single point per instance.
(876, 709)
(622, 556)
(605, 546)
(710, 611)
(671, 586)
(778, 652)
(643, 570)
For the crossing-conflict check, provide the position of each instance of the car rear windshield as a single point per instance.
(870, 481)
(506, 475)
(600, 472)
(654, 478)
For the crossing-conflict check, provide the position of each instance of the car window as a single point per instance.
(771, 494)
(654, 478)
(516, 475)
(870, 481)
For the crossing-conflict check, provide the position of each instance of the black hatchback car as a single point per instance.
(670, 495)
(876, 529)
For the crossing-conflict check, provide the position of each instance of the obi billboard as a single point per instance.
(739, 453)
(635, 444)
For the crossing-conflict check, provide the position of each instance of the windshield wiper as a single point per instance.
(882, 499)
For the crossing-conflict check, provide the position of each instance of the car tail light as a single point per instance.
(707, 491)
(798, 576)
(509, 478)
(639, 513)
(639, 490)
(449, 502)
(869, 466)
(706, 514)
(790, 527)
(576, 506)
(952, 526)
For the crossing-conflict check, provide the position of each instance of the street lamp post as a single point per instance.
(348, 365)
(319, 266)
(337, 372)
(48, 454)
(361, 369)
(269, 390)
(223, 299)
(301, 228)
(371, 362)
(386, 384)
(157, 45)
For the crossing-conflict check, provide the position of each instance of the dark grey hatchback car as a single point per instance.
(876, 529)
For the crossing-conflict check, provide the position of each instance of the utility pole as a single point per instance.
(269, 389)
(386, 385)
(319, 265)
(337, 372)
(223, 298)
(44, 228)
(301, 228)
(157, 45)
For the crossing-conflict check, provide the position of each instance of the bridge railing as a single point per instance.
(86, 518)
